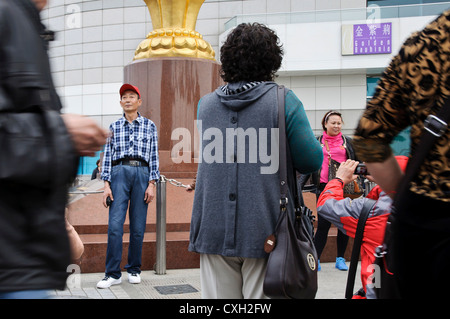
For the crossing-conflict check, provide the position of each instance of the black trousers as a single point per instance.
(321, 235)
(422, 252)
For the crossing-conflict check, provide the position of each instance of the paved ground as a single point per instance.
(183, 284)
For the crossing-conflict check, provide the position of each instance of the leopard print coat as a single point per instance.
(414, 85)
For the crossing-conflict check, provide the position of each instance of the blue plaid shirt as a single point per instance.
(136, 140)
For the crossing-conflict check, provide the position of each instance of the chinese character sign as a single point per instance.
(372, 38)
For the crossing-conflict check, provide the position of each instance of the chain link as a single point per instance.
(174, 182)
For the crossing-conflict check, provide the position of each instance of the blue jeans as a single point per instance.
(26, 294)
(128, 185)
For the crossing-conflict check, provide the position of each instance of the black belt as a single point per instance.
(130, 162)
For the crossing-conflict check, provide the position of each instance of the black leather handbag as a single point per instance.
(292, 264)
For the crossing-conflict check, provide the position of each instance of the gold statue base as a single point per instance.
(173, 43)
(174, 32)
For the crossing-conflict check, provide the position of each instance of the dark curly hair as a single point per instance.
(251, 52)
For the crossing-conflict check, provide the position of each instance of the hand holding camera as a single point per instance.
(349, 170)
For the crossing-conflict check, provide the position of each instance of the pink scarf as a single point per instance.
(337, 152)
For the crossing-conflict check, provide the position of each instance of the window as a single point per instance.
(402, 142)
(87, 164)
(387, 9)
(371, 86)
(384, 3)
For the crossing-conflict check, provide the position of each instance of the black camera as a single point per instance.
(108, 201)
(361, 169)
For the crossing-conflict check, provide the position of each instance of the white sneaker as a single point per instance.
(108, 282)
(134, 278)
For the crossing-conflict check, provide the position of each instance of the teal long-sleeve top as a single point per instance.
(237, 197)
(306, 152)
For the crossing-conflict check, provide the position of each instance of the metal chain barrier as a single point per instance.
(160, 265)
(176, 183)
(93, 187)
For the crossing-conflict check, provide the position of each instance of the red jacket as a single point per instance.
(345, 212)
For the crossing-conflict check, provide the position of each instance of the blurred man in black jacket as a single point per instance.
(34, 249)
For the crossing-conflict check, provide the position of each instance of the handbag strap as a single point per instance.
(367, 207)
(344, 144)
(328, 151)
(434, 127)
(282, 148)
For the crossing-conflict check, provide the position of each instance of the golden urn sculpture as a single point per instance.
(174, 32)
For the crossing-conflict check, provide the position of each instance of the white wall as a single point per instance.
(315, 48)
(97, 38)
(323, 79)
(345, 93)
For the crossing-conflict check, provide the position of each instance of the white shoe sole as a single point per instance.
(134, 280)
(103, 284)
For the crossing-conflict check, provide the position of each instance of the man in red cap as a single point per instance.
(130, 171)
(344, 213)
(129, 87)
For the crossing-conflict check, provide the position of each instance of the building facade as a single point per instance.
(96, 39)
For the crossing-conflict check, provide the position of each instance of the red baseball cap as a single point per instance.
(129, 87)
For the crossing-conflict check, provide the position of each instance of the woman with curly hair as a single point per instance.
(236, 202)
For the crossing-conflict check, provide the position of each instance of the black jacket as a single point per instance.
(34, 249)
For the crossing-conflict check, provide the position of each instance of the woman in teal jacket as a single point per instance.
(236, 201)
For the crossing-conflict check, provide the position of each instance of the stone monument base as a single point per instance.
(171, 88)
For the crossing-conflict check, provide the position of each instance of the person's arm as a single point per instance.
(387, 174)
(346, 170)
(150, 192)
(340, 211)
(154, 157)
(306, 152)
(335, 188)
(385, 116)
(107, 157)
(86, 135)
(106, 168)
(153, 165)
(191, 187)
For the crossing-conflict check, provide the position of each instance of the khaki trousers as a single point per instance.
(232, 277)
